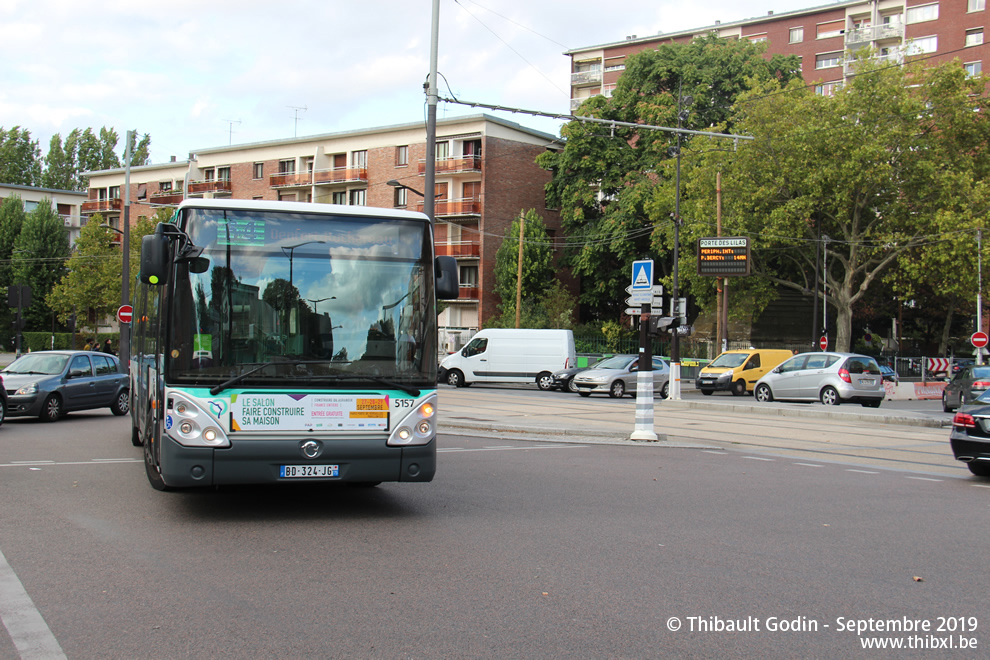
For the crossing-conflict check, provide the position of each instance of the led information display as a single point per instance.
(723, 257)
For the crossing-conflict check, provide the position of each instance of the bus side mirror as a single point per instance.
(155, 263)
(447, 286)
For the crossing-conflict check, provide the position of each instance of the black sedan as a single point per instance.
(970, 436)
(49, 384)
(563, 380)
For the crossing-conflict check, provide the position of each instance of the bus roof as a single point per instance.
(301, 207)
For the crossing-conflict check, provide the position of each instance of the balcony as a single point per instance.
(586, 77)
(453, 207)
(341, 175)
(865, 35)
(102, 205)
(454, 165)
(211, 186)
(468, 292)
(166, 198)
(461, 249)
(290, 179)
(890, 59)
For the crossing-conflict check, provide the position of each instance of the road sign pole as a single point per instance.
(643, 429)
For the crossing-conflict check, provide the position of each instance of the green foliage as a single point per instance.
(19, 157)
(554, 308)
(877, 169)
(606, 179)
(140, 152)
(93, 277)
(38, 260)
(538, 270)
(60, 165)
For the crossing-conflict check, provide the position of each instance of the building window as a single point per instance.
(223, 173)
(443, 150)
(339, 198)
(142, 191)
(827, 89)
(797, 35)
(974, 37)
(923, 45)
(259, 171)
(468, 276)
(287, 166)
(973, 69)
(826, 60)
(114, 192)
(976, 5)
(616, 67)
(891, 19)
(588, 67)
(208, 174)
(401, 199)
(359, 159)
(922, 13)
(833, 29)
(757, 39)
(358, 197)
(401, 156)
(164, 186)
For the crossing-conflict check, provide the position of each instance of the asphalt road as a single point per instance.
(517, 549)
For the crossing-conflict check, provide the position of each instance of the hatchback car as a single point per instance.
(831, 378)
(50, 384)
(965, 386)
(970, 435)
(563, 380)
(616, 376)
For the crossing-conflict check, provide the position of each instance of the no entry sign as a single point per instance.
(823, 342)
(124, 314)
(979, 339)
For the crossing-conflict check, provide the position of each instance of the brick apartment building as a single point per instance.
(485, 175)
(821, 36)
(67, 203)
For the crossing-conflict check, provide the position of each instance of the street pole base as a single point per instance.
(646, 436)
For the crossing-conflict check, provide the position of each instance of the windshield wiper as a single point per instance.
(216, 389)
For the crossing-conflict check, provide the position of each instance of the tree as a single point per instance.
(865, 176)
(96, 153)
(60, 165)
(605, 176)
(92, 279)
(538, 268)
(19, 157)
(39, 254)
(140, 152)
(11, 219)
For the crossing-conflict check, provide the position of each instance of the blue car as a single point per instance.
(50, 384)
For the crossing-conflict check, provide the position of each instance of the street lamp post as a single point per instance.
(675, 344)
(292, 249)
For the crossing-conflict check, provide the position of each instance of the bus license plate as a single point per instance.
(308, 471)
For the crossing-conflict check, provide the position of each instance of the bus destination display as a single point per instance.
(723, 257)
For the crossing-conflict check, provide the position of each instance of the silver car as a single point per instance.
(831, 378)
(616, 376)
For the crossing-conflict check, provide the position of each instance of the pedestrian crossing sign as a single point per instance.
(642, 275)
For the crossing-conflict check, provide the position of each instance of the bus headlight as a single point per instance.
(190, 425)
(418, 426)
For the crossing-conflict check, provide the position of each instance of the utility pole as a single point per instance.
(124, 345)
(429, 198)
(519, 269)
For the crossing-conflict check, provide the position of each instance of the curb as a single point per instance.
(819, 413)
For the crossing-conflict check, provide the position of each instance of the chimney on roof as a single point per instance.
(770, 13)
(718, 22)
(173, 159)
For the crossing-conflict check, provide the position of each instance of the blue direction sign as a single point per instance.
(642, 276)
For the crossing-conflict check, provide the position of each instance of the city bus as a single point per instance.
(284, 342)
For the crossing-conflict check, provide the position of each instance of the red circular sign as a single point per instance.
(823, 342)
(979, 339)
(124, 313)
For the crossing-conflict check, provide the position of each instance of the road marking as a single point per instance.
(979, 486)
(809, 464)
(717, 453)
(457, 449)
(95, 461)
(924, 479)
(862, 471)
(24, 623)
(759, 458)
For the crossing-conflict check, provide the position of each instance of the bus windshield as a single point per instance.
(315, 298)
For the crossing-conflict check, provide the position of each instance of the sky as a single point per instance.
(197, 75)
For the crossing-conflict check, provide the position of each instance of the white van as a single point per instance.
(510, 356)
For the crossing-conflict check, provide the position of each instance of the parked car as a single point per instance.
(563, 380)
(965, 387)
(50, 384)
(616, 376)
(3, 401)
(960, 364)
(970, 435)
(737, 371)
(829, 377)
